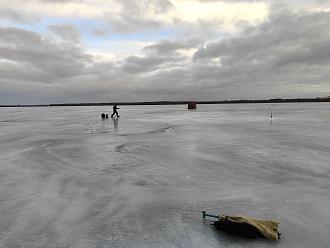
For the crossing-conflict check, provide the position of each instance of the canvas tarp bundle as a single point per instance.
(266, 228)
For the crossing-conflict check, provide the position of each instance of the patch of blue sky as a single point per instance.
(9, 23)
(87, 27)
(125, 43)
(109, 42)
(87, 30)
(40, 26)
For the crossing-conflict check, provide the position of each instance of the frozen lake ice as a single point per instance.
(69, 179)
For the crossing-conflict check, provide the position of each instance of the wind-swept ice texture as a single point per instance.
(69, 179)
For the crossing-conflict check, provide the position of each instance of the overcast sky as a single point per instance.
(54, 51)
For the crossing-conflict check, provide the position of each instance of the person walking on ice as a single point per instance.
(115, 111)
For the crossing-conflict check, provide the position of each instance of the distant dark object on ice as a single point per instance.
(192, 105)
(246, 226)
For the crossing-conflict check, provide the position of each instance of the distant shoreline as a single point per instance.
(275, 100)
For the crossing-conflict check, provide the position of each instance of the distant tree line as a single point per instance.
(274, 100)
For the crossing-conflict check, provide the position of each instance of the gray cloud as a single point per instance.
(66, 32)
(126, 22)
(235, 0)
(135, 64)
(171, 46)
(60, 1)
(288, 55)
(35, 69)
(132, 18)
(17, 16)
(288, 38)
(47, 59)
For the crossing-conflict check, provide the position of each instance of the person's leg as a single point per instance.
(117, 114)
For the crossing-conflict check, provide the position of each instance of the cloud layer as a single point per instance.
(282, 53)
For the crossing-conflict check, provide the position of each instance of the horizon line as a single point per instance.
(272, 100)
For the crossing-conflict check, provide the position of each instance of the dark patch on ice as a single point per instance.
(132, 147)
(141, 183)
(121, 148)
(20, 198)
(14, 121)
(160, 130)
(102, 171)
(46, 142)
(156, 131)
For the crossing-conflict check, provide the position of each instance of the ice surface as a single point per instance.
(69, 179)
